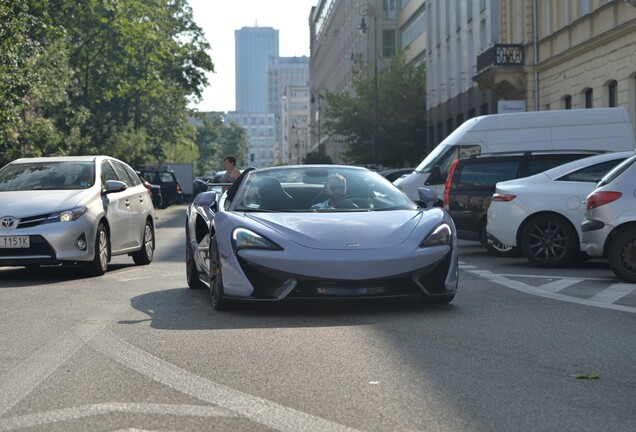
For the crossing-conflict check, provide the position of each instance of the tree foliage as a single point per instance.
(401, 106)
(100, 76)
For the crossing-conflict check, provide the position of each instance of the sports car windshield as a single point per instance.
(319, 189)
(47, 175)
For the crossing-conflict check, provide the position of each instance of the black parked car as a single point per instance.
(155, 190)
(171, 191)
(471, 182)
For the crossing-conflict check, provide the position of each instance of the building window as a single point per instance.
(471, 113)
(584, 7)
(449, 126)
(388, 43)
(483, 109)
(588, 98)
(612, 93)
(567, 102)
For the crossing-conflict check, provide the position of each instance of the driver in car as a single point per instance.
(336, 191)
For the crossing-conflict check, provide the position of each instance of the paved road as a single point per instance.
(136, 349)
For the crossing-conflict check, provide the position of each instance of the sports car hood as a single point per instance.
(364, 230)
(29, 203)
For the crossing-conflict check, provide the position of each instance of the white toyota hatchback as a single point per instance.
(542, 214)
(74, 210)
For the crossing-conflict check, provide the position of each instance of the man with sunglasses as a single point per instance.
(336, 190)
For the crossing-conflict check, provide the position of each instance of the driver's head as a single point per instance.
(336, 187)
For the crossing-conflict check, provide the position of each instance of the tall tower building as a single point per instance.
(255, 48)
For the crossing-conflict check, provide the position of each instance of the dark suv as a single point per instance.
(471, 182)
(171, 192)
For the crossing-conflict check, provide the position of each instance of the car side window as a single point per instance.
(108, 173)
(591, 173)
(121, 173)
(477, 175)
(132, 176)
(545, 162)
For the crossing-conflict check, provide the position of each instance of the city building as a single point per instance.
(336, 43)
(260, 129)
(295, 125)
(283, 72)
(255, 49)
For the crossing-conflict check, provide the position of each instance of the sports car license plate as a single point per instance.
(14, 242)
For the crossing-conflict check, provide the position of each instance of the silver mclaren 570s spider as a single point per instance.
(318, 232)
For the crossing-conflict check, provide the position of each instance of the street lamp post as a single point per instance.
(315, 97)
(367, 10)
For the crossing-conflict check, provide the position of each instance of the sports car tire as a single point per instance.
(216, 279)
(99, 264)
(498, 249)
(146, 253)
(549, 241)
(622, 255)
(192, 273)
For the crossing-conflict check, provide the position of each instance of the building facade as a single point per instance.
(255, 49)
(336, 43)
(260, 129)
(295, 135)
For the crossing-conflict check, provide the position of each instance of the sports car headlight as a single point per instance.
(67, 215)
(440, 236)
(243, 238)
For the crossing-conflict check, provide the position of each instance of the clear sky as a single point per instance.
(220, 18)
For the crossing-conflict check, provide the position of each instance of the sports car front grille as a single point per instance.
(267, 283)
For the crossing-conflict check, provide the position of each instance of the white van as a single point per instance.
(606, 129)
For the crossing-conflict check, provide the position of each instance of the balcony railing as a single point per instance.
(500, 55)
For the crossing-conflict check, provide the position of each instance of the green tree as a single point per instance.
(233, 140)
(401, 106)
(34, 74)
(100, 76)
(316, 157)
(208, 129)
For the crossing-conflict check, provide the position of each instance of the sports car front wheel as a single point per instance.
(216, 279)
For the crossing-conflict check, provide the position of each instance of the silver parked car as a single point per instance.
(609, 228)
(280, 233)
(74, 210)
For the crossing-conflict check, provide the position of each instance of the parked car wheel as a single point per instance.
(192, 275)
(99, 264)
(216, 279)
(145, 255)
(549, 241)
(622, 255)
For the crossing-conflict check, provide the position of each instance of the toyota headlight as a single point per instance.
(67, 215)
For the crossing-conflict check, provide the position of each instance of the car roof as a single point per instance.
(62, 159)
(591, 160)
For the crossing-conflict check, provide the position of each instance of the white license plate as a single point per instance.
(14, 242)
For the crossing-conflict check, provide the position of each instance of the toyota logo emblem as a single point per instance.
(7, 222)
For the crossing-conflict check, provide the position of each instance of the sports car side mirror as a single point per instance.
(206, 199)
(427, 197)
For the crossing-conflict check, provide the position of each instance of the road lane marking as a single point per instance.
(539, 291)
(22, 379)
(254, 408)
(614, 292)
(84, 411)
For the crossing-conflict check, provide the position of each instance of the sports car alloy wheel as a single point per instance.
(98, 266)
(216, 279)
(549, 241)
(622, 255)
(144, 256)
